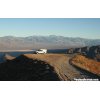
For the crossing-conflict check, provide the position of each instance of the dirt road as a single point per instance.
(78, 73)
(62, 66)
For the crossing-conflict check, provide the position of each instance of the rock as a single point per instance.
(8, 57)
(91, 52)
(77, 50)
(23, 68)
(85, 49)
(70, 51)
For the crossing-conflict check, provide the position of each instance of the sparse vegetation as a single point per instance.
(86, 63)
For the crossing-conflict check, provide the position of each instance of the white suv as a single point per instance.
(41, 51)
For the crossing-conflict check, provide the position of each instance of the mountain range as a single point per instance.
(49, 42)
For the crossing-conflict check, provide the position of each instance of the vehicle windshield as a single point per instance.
(40, 50)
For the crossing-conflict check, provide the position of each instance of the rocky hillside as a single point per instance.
(7, 57)
(86, 64)
(91, 52)
(41, 67)
(25, 69)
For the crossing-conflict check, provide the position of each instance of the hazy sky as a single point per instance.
(85, 28)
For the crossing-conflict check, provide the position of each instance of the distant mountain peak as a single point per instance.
(49, 42)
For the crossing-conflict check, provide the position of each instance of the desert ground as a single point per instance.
(61, 64)
(85, 63)
(45, 67)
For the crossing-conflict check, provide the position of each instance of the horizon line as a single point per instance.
(47, 36)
